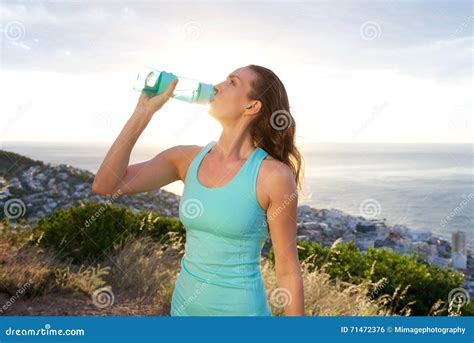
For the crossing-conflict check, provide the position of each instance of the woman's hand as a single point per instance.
(152, 103)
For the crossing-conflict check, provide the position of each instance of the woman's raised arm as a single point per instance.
(115, 174)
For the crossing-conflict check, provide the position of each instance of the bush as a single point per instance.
(162, 229)
(88, 232)
(426, 283)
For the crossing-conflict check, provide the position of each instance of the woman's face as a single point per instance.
(231, 98)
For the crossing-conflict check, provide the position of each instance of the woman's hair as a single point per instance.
(273, 129)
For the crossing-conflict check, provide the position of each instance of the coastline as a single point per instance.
(30, 190)
(46, 187)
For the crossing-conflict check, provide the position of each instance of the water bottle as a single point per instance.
(154, 82)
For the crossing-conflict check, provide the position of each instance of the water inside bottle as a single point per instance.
(186, 90)
(152, 81)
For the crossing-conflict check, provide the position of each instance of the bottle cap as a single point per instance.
(206, 93)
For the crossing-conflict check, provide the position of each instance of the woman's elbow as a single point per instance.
(95, 188)
(98, 189)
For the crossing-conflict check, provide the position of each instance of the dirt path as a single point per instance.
(76, 305)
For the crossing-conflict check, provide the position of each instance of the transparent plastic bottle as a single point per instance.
(153, 81)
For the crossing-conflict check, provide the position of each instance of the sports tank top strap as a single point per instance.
(192, 169)
(254, 167)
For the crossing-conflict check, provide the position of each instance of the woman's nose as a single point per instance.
(217, 88)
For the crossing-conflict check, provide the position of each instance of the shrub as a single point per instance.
(90, 231)
(425, 284)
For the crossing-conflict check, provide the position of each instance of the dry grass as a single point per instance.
(146, 271)
(22, 266)
(326, 297)
(141, 277)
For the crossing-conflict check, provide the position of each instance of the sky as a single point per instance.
(355, 71)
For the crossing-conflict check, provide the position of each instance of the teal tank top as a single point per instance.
(225, 231)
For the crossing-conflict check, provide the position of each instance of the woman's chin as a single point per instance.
(215, 112)
(211, 110)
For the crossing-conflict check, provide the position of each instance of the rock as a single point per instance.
(365, 228)
(315, 236)
(313, 225)
(378, 243)
(303, 209)
(391, 240)
(394, 236)
(302, 237)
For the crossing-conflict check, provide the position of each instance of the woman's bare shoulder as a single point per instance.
(182, 156)
(186, 149)
(273, 170)
(270, 162)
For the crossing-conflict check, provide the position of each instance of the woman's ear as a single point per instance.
(254, 107)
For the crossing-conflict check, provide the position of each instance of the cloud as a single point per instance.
(321, 50)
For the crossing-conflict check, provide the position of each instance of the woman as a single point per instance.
(238, 191)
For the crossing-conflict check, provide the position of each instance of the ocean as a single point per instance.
(427, 187)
